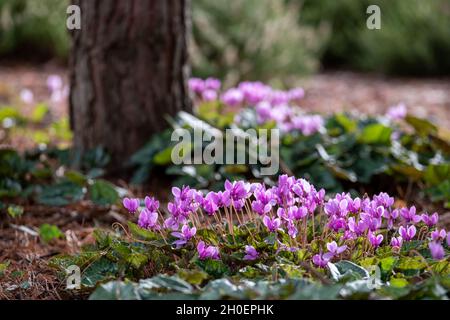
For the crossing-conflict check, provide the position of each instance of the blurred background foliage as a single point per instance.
(33, 29)
(237, 39)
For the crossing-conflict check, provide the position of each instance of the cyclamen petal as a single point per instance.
(436, 250)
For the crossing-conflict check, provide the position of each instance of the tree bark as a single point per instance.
(128, 69)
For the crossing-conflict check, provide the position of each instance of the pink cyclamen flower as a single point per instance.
(436, 250)
(296, 94)
(409, 215)
(430, 220)
(250, 253)
(211, 203)
(148, 219)
(131, 204)
(334, 250)
(438, 235)
(375, 240)
(397, 112)
(209, 95)
(151, 204)
(212, 84)
(297, 213)
(320, 261)
(184, 236)
(396, 243)
(232, 97)
(196, 85)
(407, 233)
(27, 96)
(54, 83)
(207, 252)
(273, 224)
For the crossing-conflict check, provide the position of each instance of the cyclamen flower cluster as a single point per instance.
(292, 207)
(270, 104)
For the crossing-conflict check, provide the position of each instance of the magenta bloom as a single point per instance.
(272, 224)
(250, 253)
(151, 204)
(407, 233)
(196, 85)
(263, 112)
(148, 219)
(207, 252)
(54, 83)
(308, 124)
(320, 261)
(383, 199)
(375, 240)
(333, 250)
(238, 189)
(212, 84)
(27, 96)
(436, 250)
(297, 213)
(264, 200)
(211, 203)
(209, 95)
(356, 227)
(397, 112)
(184, 236)
(396, 243)
(131, 204)
(410, 215)
(296, 94)
(430, 220)
(438, 235)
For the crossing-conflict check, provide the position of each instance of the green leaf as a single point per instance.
(3, 267)
(348, 124)
(422, 126)
(388, 263)
(61, 194)
(376, 134)
(164, 157)
(215, 268)
(15, 211)
(411, 263)
(103, 193)
(76, 177)
(169, 283)
(99, 271)
(116, 290)
(194, 277)
(137, 260)
(142, 234)
(436, 174)
(398, 282)
(39, 113)
(50, 232)
(347, 269)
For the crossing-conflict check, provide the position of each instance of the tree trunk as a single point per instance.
(128, 70)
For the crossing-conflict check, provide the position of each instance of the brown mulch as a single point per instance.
(29, 275)
(347, 91)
